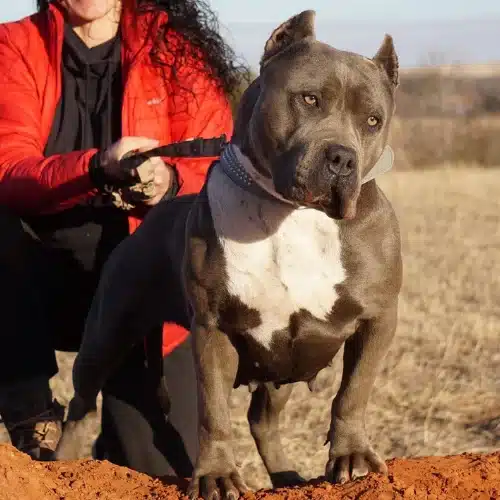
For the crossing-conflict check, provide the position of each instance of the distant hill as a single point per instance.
(474, 71)
(471, 41)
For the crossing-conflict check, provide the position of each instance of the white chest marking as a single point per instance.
(278, 259)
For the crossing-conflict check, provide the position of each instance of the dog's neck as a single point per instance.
(240, 169)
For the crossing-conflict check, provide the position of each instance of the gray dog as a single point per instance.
(290, 251)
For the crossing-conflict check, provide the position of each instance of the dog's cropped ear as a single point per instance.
(387, 58)
(296, 28)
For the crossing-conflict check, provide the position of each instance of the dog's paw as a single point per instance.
(217, 487)
(351, 456)
(340, 469)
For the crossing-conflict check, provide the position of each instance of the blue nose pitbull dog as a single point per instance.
(290, 251)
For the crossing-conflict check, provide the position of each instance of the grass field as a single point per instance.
(439, 388)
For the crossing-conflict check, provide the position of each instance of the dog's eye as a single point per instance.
(373, 121)
(310, 100)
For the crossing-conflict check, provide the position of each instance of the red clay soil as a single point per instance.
(468, 477)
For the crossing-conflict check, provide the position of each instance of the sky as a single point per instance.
(352, 10)
(277, 10)
(455, 30)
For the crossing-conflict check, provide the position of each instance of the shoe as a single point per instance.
(39, 435)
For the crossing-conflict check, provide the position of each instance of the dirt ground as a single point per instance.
(468, 477)
(438, 392)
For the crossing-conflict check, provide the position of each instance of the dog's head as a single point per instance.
(316, 119)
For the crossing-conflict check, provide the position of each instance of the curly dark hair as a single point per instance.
(198, 24)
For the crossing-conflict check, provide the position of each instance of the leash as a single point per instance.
(237, 167)
(196, 148)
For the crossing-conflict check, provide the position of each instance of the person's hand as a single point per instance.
(110, 158)
(151, 180)
(161, 176)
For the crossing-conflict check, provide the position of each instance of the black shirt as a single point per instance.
(88, 115)
(89, 112)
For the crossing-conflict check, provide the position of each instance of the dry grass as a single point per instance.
(438, 391)
(448, 114)
(423, 142)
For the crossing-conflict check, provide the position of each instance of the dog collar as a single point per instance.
(383, 165)
(241, 171)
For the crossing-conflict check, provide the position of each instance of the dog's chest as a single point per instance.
(278, 261)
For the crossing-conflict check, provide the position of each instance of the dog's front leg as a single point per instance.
(215, 475)
(263, 417)
(351, 455)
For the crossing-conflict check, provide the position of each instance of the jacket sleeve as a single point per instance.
(207, 114)
(29, 182)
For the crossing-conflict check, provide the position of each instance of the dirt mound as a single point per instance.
(467, 476)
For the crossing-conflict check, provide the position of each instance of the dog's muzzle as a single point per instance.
(331, 181)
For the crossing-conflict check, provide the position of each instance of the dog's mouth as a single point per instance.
(311, 184)
(336, 206)
(323, 203)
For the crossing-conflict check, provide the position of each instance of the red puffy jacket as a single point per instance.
(153, 106)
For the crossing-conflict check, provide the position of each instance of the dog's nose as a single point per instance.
(340, 161)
